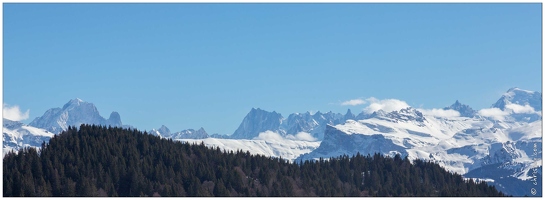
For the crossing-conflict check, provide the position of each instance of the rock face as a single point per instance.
(74, 113)
(257, 121)
(349, 115)
(114, 120)
(464, 110)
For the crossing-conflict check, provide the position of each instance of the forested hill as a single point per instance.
(100, 161)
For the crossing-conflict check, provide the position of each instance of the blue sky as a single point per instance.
(206, 65)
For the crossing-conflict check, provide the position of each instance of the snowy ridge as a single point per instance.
(267, 143)
(507, 141)
(457, 144)
(17, 135)
(501, 144)
(258, 121)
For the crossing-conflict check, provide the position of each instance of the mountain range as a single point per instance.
(501, 144)
(73, 113)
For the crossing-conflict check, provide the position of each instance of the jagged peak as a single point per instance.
(464, 110)
(163, 129)
(349, 115)
(456, 105)
(260, 110)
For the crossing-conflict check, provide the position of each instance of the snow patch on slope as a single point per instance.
(268, 143)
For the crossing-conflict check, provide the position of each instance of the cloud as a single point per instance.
(440, 112)
(269, 136)
(353, 102)
(302, 136)
(494, 113)
(516, 108)
(273, 136)
(512, 108)
(387, 105)
(14, 113)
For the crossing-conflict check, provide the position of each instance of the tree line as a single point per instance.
(95, 160)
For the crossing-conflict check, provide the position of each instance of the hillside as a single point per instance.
(99, 161)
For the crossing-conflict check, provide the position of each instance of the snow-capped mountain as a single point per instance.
(161, 132)
(164, 132)
(469, 143)
(16, 135)
(522, 105)
(74, 113)
(310, 123)
(258, 121)
(521, 97)
(501, 144)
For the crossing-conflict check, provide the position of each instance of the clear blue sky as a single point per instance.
(206, 65)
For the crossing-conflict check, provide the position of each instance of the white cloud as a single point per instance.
(512, 108)
(353, 102)
(276, 137)
(440, 112)
(302, 136)
(387, 105)
(494, 113)
(516, 108)
(269, 136)
(14, 113)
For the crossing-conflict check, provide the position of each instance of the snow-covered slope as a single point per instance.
(407, 132)
(257, 121)
(74, 113)
(505, 139)
(519, 96)
(16, 135)
(521, 105)
(267, 143)
(460, 144)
